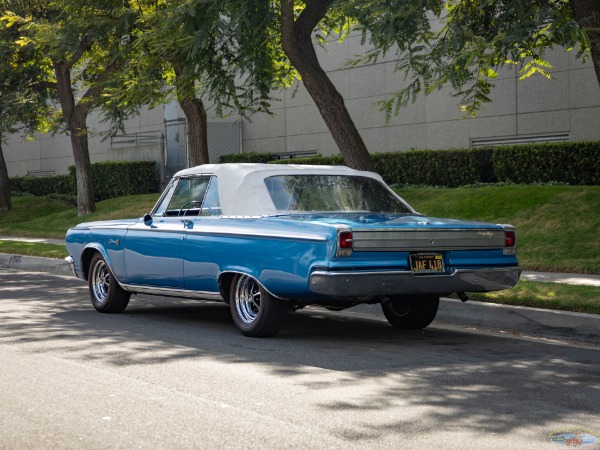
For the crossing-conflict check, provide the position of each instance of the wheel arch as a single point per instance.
(86, 258)
(226, 277)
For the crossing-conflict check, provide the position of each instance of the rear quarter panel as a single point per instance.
(281, 255)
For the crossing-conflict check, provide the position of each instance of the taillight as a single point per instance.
(510, 239)
(344, 243)
(346, 239)
(510, 242)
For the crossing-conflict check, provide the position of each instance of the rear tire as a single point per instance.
(254, 311)
(106, 294)
(410, 312)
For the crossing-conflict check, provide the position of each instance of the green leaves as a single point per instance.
(23, 98)
(464, 43)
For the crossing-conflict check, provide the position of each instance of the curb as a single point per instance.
(34, 264)
(521, 319)
(536, 321)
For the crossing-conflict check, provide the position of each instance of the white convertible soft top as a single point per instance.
(242, 189)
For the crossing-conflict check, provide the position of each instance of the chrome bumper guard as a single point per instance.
(356, 284)
(71, 264)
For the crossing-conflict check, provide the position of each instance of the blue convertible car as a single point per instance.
(269, 239)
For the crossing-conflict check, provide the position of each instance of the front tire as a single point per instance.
(106, 294)
(410, 312)
(254, 311)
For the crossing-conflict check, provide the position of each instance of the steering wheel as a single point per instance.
(184, 205)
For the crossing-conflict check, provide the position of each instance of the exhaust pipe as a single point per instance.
(463, 297)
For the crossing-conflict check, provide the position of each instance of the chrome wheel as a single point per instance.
(106, 294)
(247, 298)
(100, 282)
(254, 311)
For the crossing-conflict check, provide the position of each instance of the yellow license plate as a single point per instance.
(426, 263)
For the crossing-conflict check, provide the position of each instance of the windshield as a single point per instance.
(332, 193)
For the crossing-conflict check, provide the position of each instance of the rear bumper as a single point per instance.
(355, 284)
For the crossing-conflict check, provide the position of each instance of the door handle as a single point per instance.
(189, 224)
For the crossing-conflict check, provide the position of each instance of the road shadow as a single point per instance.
(457, 375)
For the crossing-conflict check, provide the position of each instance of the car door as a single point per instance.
(154, 250)
(203, 248)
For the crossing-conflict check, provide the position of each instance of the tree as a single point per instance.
(476, 39)
(297, 38)
(83, 42)
(23, 102)
(222, 52)
(587, 15)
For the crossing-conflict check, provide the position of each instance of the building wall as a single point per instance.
(53, 153)
(566, 107)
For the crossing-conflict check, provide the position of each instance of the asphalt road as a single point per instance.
(172, 373)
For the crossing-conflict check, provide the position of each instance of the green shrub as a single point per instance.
(421, 167)
(247, 158)
(575, 163)
(335, 160)
(58, 184)
(120, 178)
(111, 179)
(450, 168)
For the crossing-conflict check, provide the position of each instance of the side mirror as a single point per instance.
(148, 220)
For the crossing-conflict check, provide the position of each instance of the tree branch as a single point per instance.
(287, 15)
(87, 100)
(311, 15)
(84, 45)
(47, 85)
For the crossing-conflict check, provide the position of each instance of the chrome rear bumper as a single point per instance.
(355, 284)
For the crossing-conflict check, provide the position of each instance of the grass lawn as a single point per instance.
(558, 227)
(50, 218)
(34, 249)
(566, 297)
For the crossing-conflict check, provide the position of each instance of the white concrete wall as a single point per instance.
(54, 153)
(569, 103)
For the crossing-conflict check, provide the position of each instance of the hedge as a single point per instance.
(247, 158)
(576, 163)
(111, 179)
(120, 178)
(58, 184)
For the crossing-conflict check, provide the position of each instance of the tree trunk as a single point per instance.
(5, 202)
(86, 198)
(298, 46)
(75, 118)
(195, 113)
(587, 14)
(197, 130)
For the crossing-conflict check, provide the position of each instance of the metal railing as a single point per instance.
(137, 139)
